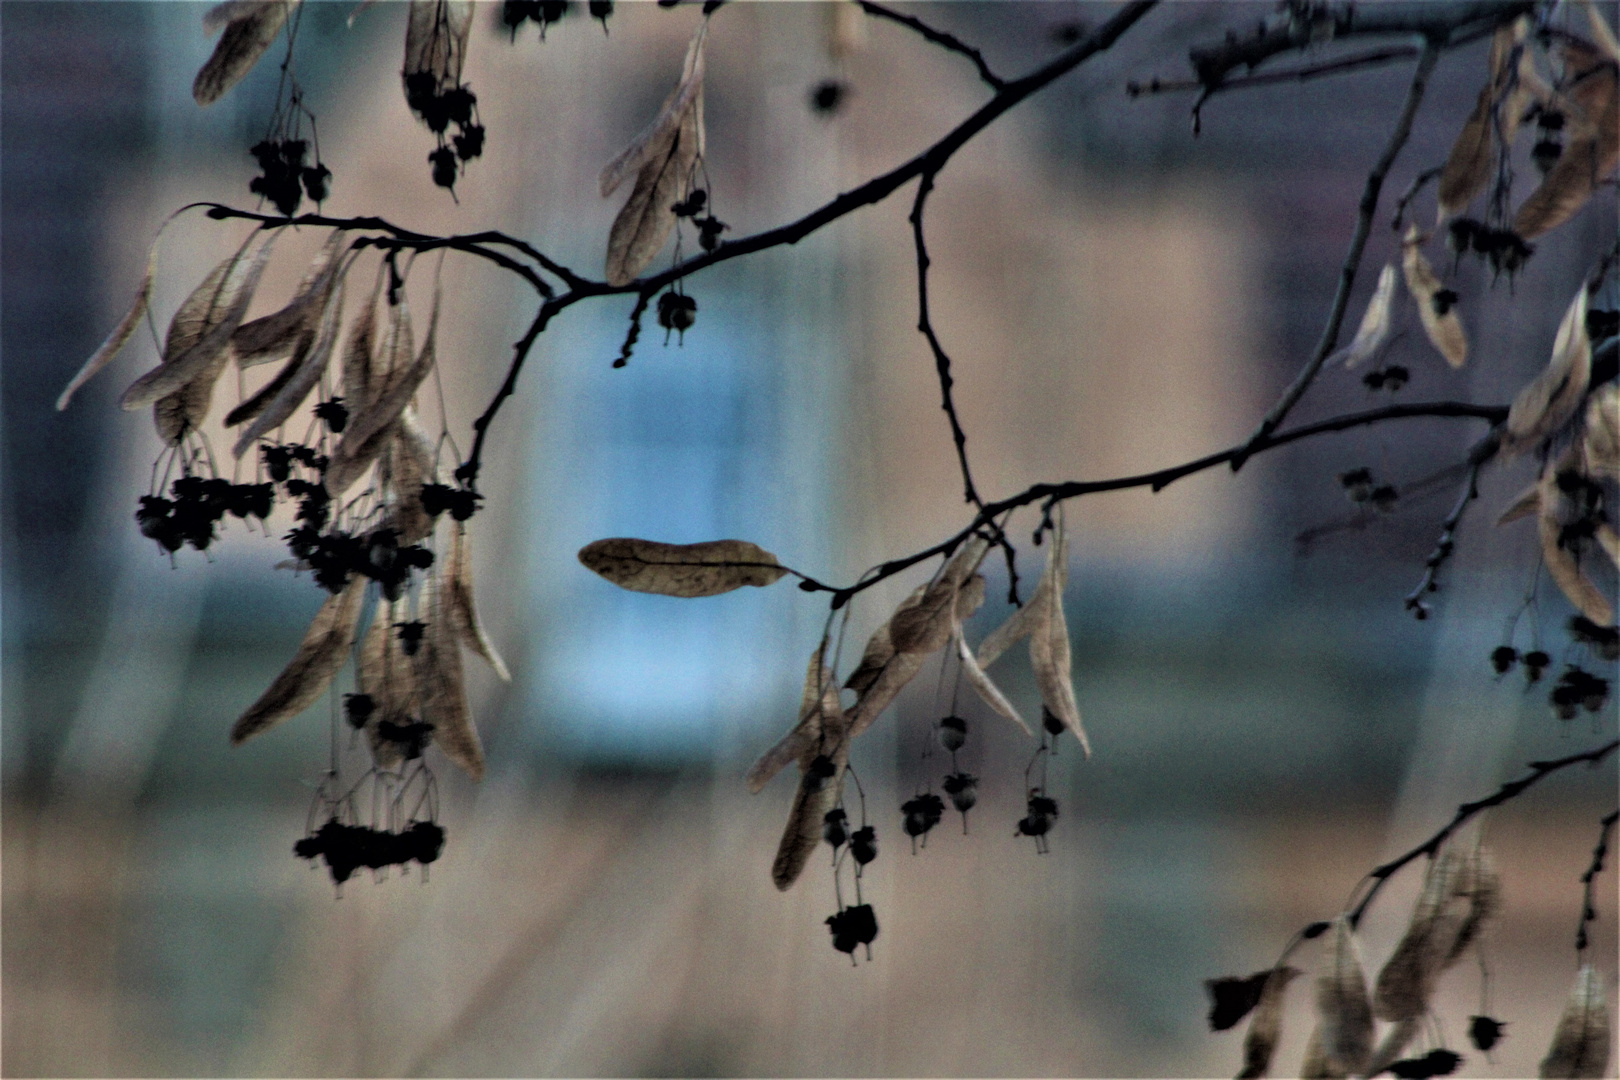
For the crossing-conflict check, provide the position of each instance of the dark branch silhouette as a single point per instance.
(939, 37)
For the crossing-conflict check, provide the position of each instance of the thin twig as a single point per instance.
(1446, 546)
(633, 334)
(1352, 260)
(1588, 911)
(1157, 481)
(1510, 790)
(1418, 183)
(925, 326)
(1299, 74)
(938, 37)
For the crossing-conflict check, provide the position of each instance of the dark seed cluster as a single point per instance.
(676, 312)
(1505, 250)
(1484, 1032)
(709, 227)
(1391, 378)
(1362, 487)
(1042, 811)
(1576, 689)
(1586, 501)
(195, 506)
(440, 107)
(828, 96)
(1439, 1062)
(514, 13)
(284, 178)
(919, 815)
(347, 848)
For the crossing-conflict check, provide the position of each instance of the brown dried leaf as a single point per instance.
(1561, 563)
(441, 689)
(1581, 1043)
(1549, 400)
(407, 464)
(1600, 442)
(463, 611)
(1049, 653)
(387, 675)
(325, 647)
(1265, 1026)
(118, 338)
(880, 647)
(668, 121)
(357, 449)
(200, 331)
(820, 700)
(359, 350)
(1483, 894)
(1394, 1041)
(1445, 331)
(268, 339)
(303, 378)
(1524, 504)
(1374, 329)
(250, 27)
(400, 381)
(706, 569)
(646, 219)
(900, 670)
(255, 405)
(926, 626)
(1346, 1020)
(1317, 1065)
(816, 796)
(1407, 980)
(436, 33)
(1469, 166)
(987, 690)
(187, 408)
(1591, 151)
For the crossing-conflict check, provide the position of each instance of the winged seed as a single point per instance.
(1344, 1011)
(1553, 396)
(1374, 329)
(463, 611)
(1265, 1026)
(666, 123)
(689, 570)
(249, 30)
(1581, 1043)
(647, 218)
(441, 689)
(303, 378)
(1445, 332)
(323, 651)
(436, 33)
(118, 338)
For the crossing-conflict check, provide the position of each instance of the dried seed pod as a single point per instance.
(1436, 305)
(441, 688)
(1406, 982)
(1375, 322)
(250, 28)
(819, 701)
(689, 570)
(323, 651)
(119, 337)
(1600, 441)
(1345, 1013)
(1581, 1043)
(1549, 400)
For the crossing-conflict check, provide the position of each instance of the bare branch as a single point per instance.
(1599, 853)
(1352, 260)
(938, 37)
(1271, 78)
(1510, 790)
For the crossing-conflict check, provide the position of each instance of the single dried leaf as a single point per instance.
(1445, 330)
(1581, 1043)
(201, 330)
(1265, 1027)
(1374, 329)
(249, 30)
(323, 651)
(1600, 441)
(436, 33)
(268, 339)
(1344, 1011)
(706, 569)
(261, 398)
(880, 647)
(987, 690)
(1395, 1040)
(1524, 504)
(1472, 160)
(900, 670)
(462, 609)
(647, 218)
(402, 378)
(1591, 151)
(303, 379)
(668, 121)
(407, 464)
(388, 676)
(118, 338)
(366, 435)
(358, 351)
(441, 689)
(926, 627)
(1561, 563)
(815, 796)
(819, 701)
(187, 408)
(970, 597)
(1483, 893)
(1549, 400)
(1407, 980)
(1049, 652)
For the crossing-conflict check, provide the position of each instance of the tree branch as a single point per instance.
(938, 37)
(1352, 260)
(1446, 545)
(1510, 790)
(1434, 21)
(1159, 480)
(1588, 912)
(1270, 78)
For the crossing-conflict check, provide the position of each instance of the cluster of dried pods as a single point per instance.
(377, 553)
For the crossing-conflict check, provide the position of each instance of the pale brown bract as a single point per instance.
(250, 28)
(690, 570)
(1582, 1042)
(323, 651)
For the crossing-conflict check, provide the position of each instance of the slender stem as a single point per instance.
(942, 361)
(1352, 260)
(1157, 481)
(1269, 78)
(1446, 546)
(1510, 790)
(938, 37)
(1599, 853)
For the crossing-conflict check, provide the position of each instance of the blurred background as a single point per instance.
(1116, 295)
